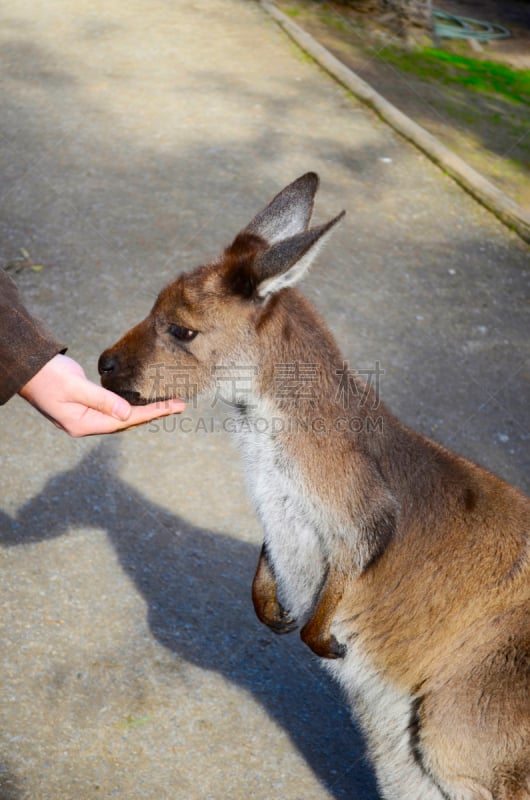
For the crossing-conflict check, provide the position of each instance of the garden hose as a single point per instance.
(453, 27)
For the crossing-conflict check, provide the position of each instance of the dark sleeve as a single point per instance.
(26, 345)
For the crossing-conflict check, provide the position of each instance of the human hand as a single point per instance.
(62, 392)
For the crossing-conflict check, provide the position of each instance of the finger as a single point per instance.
(94, 422)
(141, 414)
(100, 399)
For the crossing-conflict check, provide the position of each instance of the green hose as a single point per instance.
(453, 27)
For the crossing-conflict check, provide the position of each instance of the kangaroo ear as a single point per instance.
(289, 213)
(286, 262)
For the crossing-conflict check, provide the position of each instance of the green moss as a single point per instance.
(481, 76)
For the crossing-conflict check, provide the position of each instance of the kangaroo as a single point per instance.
(406, 566)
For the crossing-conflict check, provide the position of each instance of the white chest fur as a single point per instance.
(386, 714)
(292, 521)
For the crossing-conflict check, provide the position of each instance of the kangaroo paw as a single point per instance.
(277, 618)
(266, 604)
(316, 633)
(325, 647)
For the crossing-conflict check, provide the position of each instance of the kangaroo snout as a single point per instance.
(108, 364)
(112, 377)
(118, 380)
(128, 365)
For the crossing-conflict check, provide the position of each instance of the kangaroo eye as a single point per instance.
(181, 333)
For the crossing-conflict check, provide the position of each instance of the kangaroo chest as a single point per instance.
(293, 524)
(296, 532)
(295, 535)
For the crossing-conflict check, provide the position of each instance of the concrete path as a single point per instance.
(136, 138)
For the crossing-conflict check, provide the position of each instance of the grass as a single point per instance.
(487, 77)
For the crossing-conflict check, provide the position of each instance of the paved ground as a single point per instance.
(136, 138)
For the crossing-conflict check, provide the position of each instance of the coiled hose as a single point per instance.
(449, 26)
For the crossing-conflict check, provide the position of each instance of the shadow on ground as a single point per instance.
(194, 582)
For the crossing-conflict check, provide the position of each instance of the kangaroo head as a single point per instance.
(210, 317)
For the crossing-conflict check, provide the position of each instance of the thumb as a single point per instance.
(103, 400)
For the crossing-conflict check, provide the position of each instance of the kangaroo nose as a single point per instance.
(108, 364)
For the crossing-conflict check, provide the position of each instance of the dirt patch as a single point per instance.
(474, 97)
